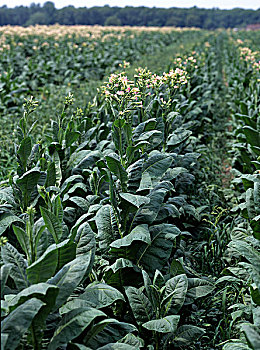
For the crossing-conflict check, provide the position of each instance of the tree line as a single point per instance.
(133, 16)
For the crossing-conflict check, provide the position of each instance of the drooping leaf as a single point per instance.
(153, 169)
(107, 226)
(99, 295)
(175, 293)
(140, 305)
(22, 238)
(6, 220)
(10, 255)
(4, 273)
(70, 276)
(17, 323)
(117, 168)
(198, 288)
(85, 240)
(178, 136)
(187, 334)
(24, 151)
(252, 136)
(97, 328)
(56, 256)
(156, 254)
(167, 324)
(113, 332)
(122, 273)
(252, 333)
(134, 199)
(72, 325)
(28, 184)
(129, 245)
(52, 223)
(132, 340)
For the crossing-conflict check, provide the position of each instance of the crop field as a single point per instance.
(129, 188)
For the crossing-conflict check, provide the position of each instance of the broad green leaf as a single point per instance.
(134, 172)
(73, 304)
(51, 176)
(167, 324)
(28, 183)
(252, 335)
(175, 293)
(113, 332)
(97, 328)
(156, 254)
(52, 223)
(148, 213)
(41, 291)
(178, 136)
(80, 202)
(44, 292)
(149, 289)
(147, 125)
(69, 182)
(236, 346)
(176, 268)
(85, 240)
(154, 168)
(70, 276)
(252, 136)
(72, 325)
(198, 288)
(140, 305)
(187, 334)
(17, 323)
(130, 151)
(122, 273)
(228, 279)
(5, 271)
(56, 256)
(107, 226)
(10, 255)
(134, 199)
(71, 136)
(99, 295)
(117, 168)
(22, 238)
(6, 220)
(24, 151)
(136, 238)
(132, 340)
(248, 252)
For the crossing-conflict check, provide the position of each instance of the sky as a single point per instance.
(222, 4)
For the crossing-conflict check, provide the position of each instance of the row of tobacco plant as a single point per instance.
(105, 217)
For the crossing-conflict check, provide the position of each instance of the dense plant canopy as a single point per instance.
(132, 222)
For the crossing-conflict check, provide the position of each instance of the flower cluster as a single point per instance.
(145, 79)
(187, 63)
(124, 64)
(247, 54)
(122, 91)
(250, 57)
(175, 78)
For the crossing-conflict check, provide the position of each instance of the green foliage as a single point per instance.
(115, 234)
